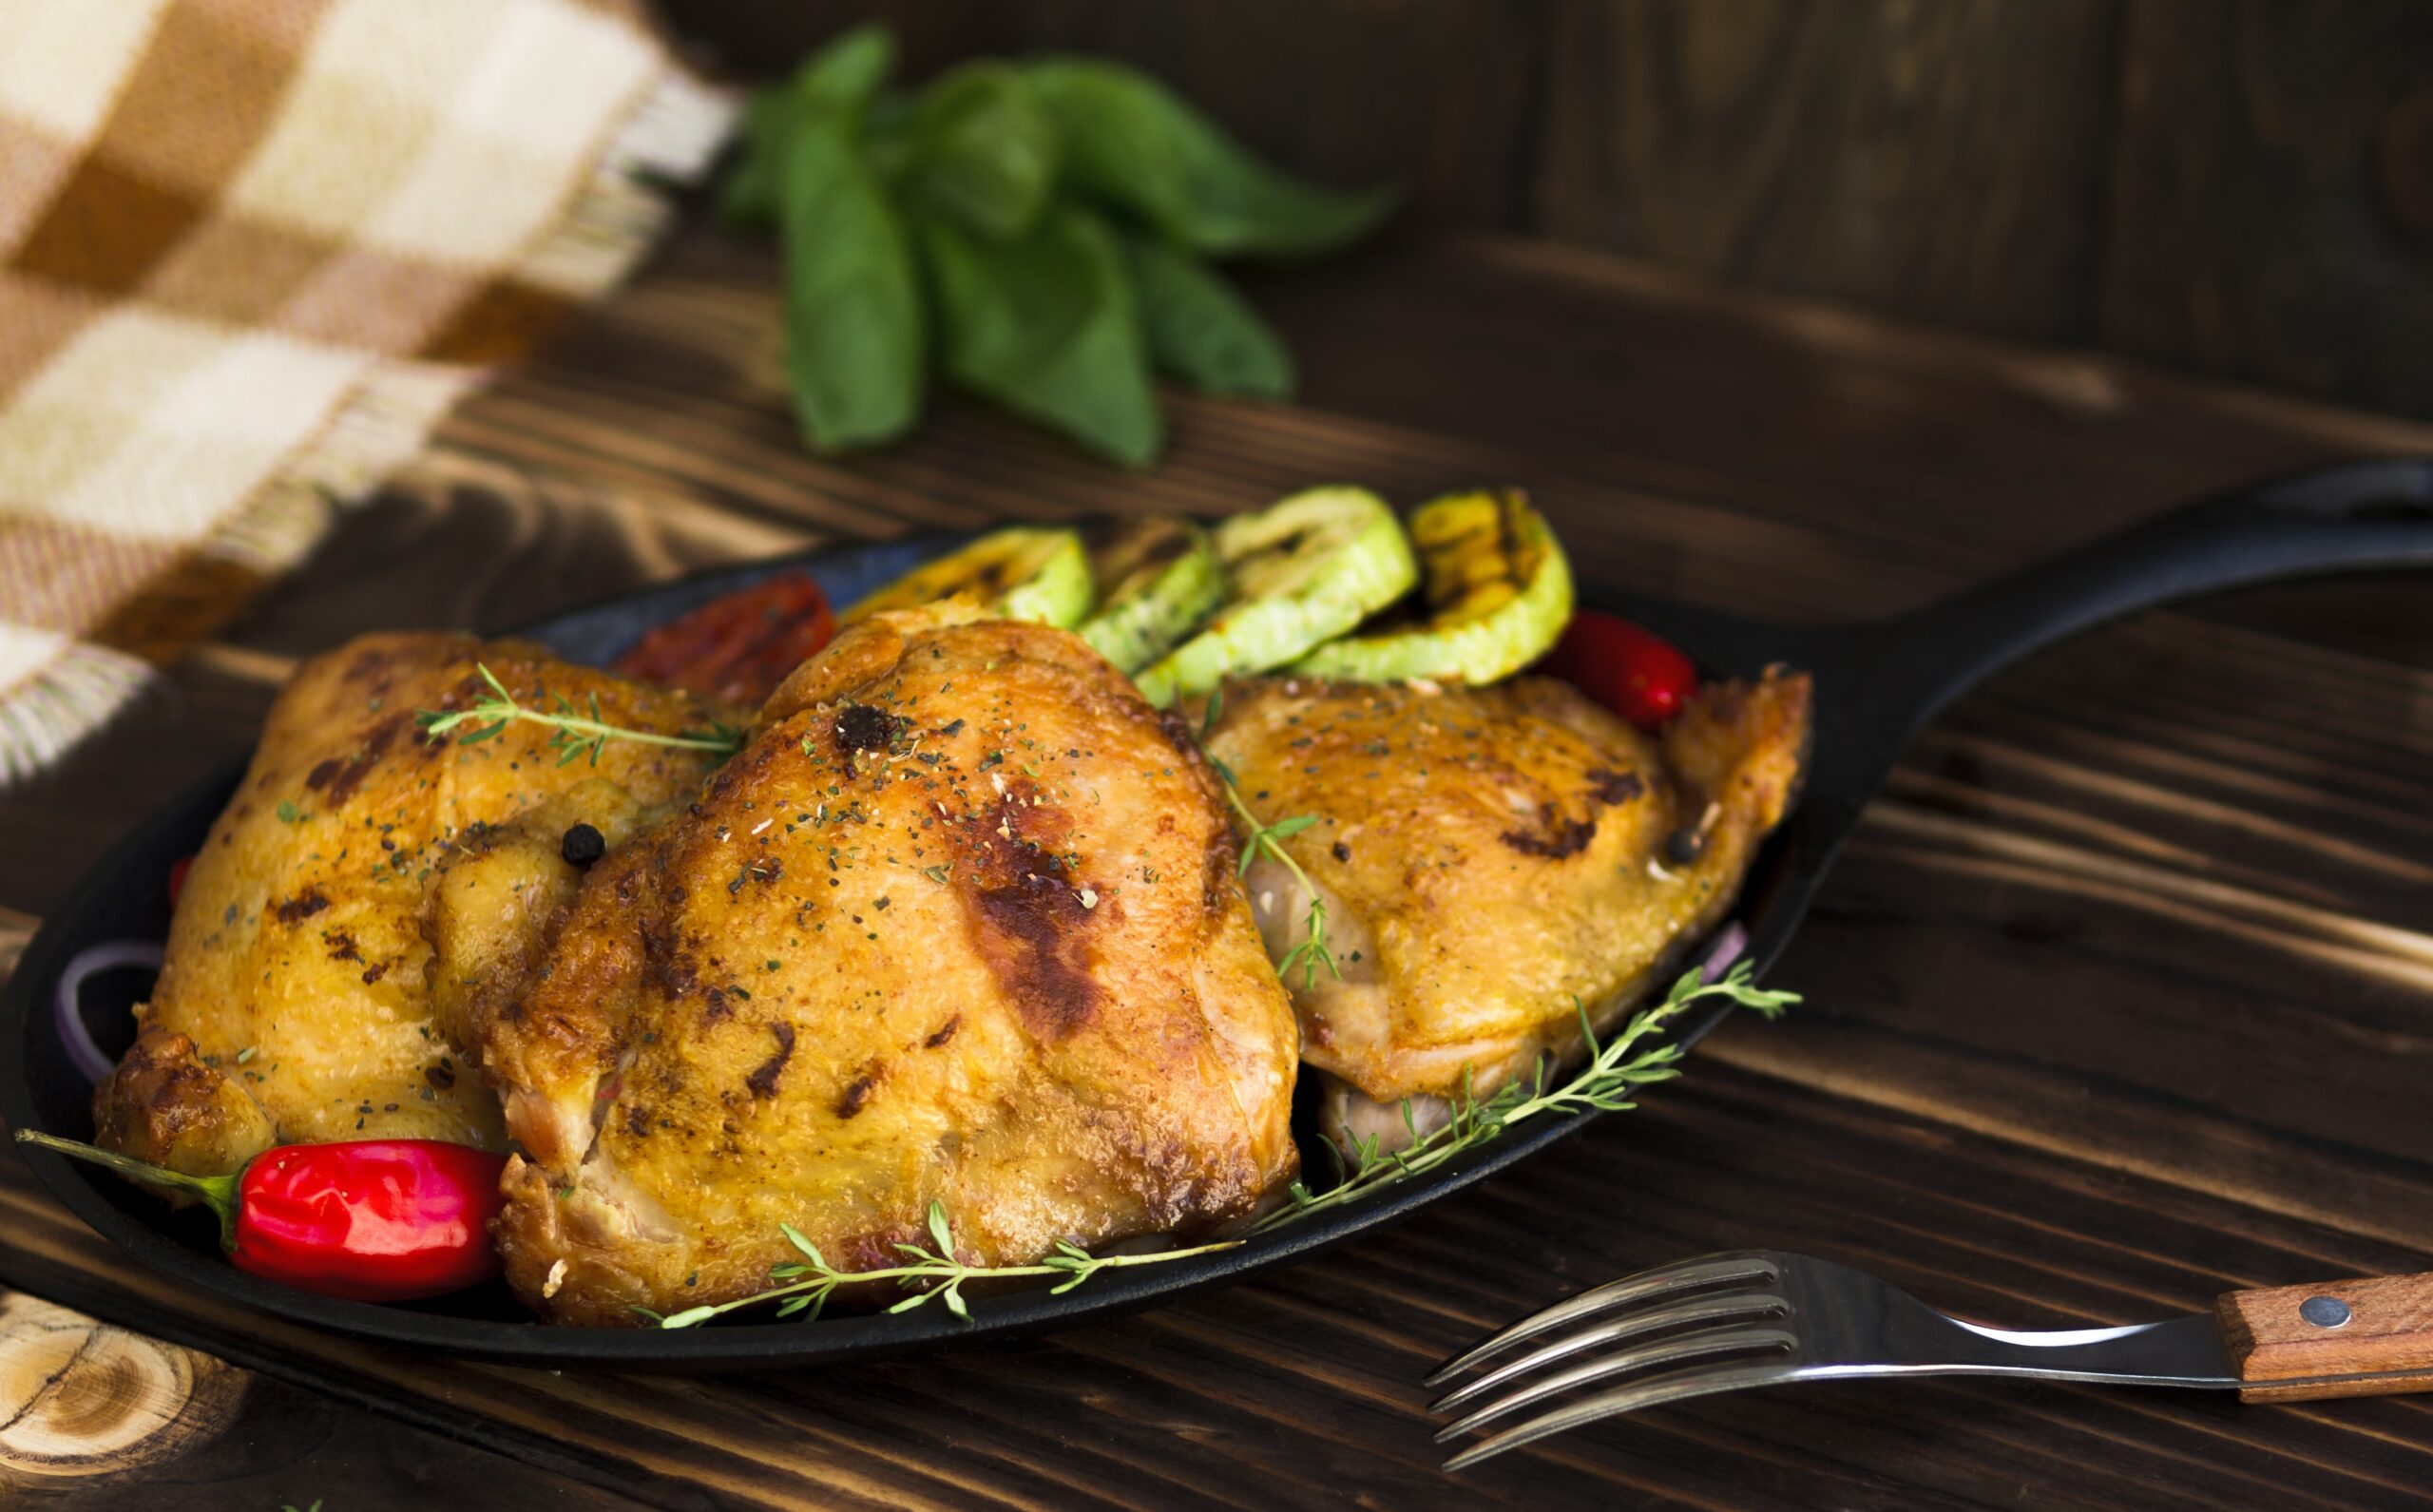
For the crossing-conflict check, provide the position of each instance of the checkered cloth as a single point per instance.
(249, 250)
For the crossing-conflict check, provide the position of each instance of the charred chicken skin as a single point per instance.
(294, 1004)
(1493, 859)
(958, 924)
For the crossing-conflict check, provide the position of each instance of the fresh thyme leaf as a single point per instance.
(1312, 952)
(574, 735)
(1631, 1058)
(927, 1276)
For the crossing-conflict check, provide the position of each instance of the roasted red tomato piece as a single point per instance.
(739, 645)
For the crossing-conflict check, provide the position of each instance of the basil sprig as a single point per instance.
(1040, 232)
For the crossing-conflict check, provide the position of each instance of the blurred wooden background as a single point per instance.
(2237, 187)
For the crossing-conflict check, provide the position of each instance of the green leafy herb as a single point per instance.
(1617, 1067)
(993, 192)
(932, 1274)
(1132, 141)
(843, 77)
(1200, 330)
(575, 735)
(288, 811)
(1046, 326)
(856, 336)
(1265, 838)
(982, 153)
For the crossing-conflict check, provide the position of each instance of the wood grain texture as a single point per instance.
(2387, 1328)
(1437, 96)
(1943, 161)
(2272, 208)
(98, 1417)
(2242, 187)
(2122, 998)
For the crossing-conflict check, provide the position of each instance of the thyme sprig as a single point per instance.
(928, 1275)
(576, 736)
(1267, 838)
(1615, 1069)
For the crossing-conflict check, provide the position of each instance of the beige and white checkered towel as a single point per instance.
(249, 250)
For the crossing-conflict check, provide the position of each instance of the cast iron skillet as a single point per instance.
(1875, 685)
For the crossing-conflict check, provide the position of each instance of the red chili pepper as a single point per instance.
(371, 1220)
(178, 870)
(739, 645)
(1641, 676)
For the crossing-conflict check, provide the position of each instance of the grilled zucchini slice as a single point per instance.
(1157, 578)
(1035, 573)
(1303, 571)
(1497, 592)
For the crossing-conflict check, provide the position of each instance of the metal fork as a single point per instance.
(1761, 1317)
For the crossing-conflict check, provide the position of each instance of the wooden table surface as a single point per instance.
(2123, 997)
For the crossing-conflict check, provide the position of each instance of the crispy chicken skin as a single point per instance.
(293, 1005)
(1489, 857)
(959, 924)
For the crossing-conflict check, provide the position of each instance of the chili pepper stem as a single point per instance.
(218, 1193)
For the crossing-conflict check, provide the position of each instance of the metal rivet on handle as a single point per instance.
(2323, 1312)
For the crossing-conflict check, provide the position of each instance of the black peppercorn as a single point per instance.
(582, 845)
(1684, 845)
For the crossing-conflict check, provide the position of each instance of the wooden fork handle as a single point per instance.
(2289, 1333)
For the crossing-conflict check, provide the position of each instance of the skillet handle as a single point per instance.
(2354, 516)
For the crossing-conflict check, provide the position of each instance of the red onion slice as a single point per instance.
(1728, 942)
(110, 956)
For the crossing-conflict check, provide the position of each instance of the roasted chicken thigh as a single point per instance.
(1493, 859)
(293, 1005)
(958, 925)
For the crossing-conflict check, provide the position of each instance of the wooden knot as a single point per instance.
(79, 1397)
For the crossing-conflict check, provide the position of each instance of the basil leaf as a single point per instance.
(1202, 330)
(1133, 141)
(748, 195)
(985, 152)
(887, 132)
(841, 76)
(1046, 325)
(844, 74)
(855, 340)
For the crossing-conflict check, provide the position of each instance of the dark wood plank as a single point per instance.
(2119, 1002)
(1941, 162)
(1304, 1386)
(1437, 96)
(98, 1417)
(2236, 189)
(2272, 214)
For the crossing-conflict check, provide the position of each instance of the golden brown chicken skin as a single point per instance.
(293, 1005)
(1490, 857)
(959, 924)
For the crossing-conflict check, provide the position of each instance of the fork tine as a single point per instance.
(1729, 1339)
(1680, 1385)
(1715, 1308)
(1707, 1269)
